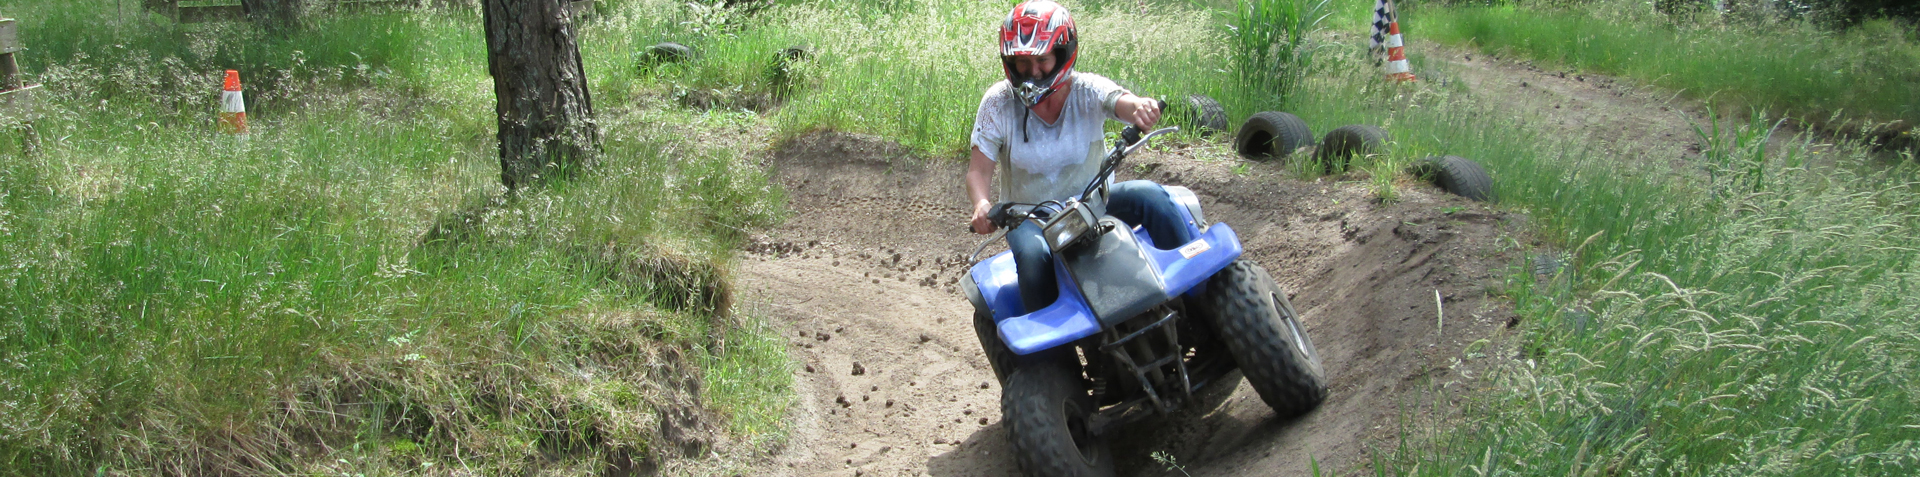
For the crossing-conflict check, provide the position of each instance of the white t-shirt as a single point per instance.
(1046, 161)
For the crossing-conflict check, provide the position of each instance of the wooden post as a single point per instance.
(16, 97)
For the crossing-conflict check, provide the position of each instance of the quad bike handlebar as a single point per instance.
(1006, 215)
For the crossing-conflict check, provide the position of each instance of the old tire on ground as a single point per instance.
(663, 53)
(1203, 114)
(1343, 143)
(1263, 332)
(1045, 406)
(1271, 134)
(999, 357)
(1460, 176)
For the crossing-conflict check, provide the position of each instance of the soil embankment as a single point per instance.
(892, 381)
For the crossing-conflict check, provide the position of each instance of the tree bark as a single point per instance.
(544, 110)
(276, 16)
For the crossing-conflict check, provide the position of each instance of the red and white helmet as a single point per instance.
(1037, 28)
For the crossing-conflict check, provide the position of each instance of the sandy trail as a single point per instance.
(893, 382)
(865, 273)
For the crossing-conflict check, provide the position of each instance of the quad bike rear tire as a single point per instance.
(1460, 176)
(1343, 143)
(1045, 406)
(999, 357)
(1263, 333)
(1271, 134)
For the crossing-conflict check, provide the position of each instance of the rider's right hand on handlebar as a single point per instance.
(980, 223)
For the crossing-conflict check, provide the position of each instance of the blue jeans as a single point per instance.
(1141, 203)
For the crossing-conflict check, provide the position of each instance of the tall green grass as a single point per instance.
(346, 290)
(1747, 324)
(176, 301)
(1743, 315)
(1847, 80)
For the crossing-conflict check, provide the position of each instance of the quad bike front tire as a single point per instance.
(1263, 333)
(999, 357)
(1271, 134)
(1046, 409)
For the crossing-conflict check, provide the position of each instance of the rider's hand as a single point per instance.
(1138, 111)
(980, 223)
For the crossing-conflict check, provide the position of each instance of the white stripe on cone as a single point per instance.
(233, 106)
(232, 102)
(1397, 67)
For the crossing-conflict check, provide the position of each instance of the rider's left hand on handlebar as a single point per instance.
(1138, 111)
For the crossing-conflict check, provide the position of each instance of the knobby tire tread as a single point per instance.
(1237, 304)
(1034, 410)
(1000, 358)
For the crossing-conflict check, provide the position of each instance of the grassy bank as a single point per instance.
(347, 290)
(1849, 81)
(1745, 315)
(1748, 321)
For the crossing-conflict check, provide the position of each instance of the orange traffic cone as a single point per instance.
(233, 108)
(1386, 39)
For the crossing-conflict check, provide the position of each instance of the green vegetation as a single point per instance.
(1747, 314)
(1744, 314)
(347, 290)
(1851, 81)
(1754, 320)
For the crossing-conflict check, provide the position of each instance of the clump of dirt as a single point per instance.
(892, 380)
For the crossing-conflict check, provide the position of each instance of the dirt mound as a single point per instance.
(893, 382)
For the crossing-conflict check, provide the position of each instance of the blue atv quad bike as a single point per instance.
(1136, 331)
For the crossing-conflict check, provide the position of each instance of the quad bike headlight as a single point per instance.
(1070, 227)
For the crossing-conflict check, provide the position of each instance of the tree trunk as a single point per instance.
(545, 113)
(276, 16)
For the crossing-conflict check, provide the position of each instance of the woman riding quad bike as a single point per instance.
(1087, 320)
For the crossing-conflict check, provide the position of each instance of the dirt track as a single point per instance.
(862, 278)
(894, 382)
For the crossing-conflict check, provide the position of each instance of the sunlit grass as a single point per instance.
(346, 288)
(1867, 74)
(168, 289)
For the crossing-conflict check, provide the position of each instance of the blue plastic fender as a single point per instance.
(1069, 318)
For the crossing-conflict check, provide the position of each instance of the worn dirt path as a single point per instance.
(862, 280)
(893, 382)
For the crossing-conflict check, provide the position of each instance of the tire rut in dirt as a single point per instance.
(1045, 407)
(1260, 329)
